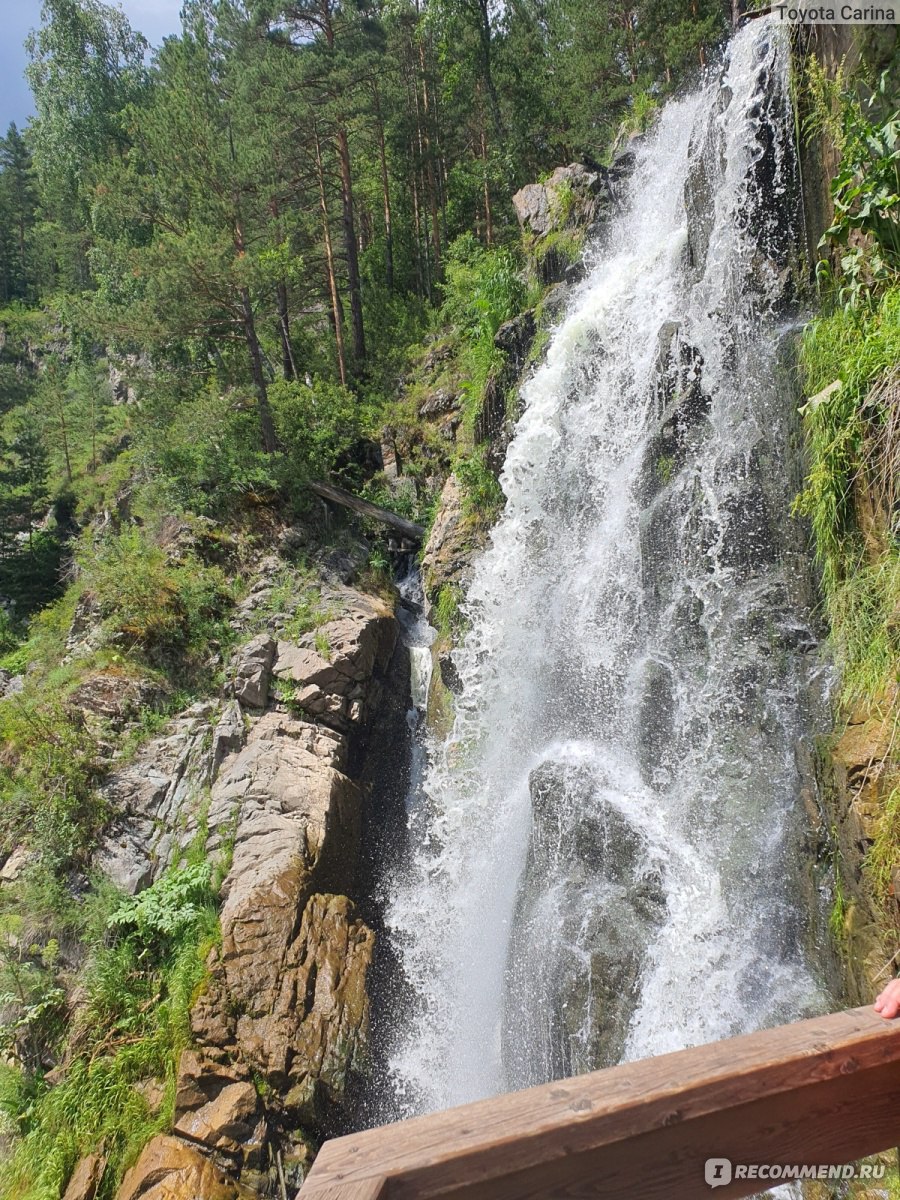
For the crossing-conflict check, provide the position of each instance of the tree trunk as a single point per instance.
(429, 169)
(336, 309)
(353, 280)
(385, 192)
(288, 365)
(488, 222)
(266, 424)
(487, 56)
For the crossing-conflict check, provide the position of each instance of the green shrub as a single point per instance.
(168, 908)
(866, 197)
(147, 599)
(483, 288)
(47, 780)
(146, 965)
(319, 426)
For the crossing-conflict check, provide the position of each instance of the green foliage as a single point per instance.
(482, 494)
(319, 426)
(866, 197)
(854, 453)
(145, 597)
(168, 908)
(884, 853)
(665, 465)
(47, 780)
(483, 288)
(445, 611)
(146, 964)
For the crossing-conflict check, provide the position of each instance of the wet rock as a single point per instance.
(252, 671)
(706, 162)
(85, 1180)
(589, 905)
(168, 1169)
(451, 545)
(514, 338)
(656, 733)
(681, 404)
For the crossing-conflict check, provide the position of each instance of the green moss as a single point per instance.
(563, 242)
(665, 465)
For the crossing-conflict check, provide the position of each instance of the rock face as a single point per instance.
(449, 550)
(272, 775)
(287, 995)
(599, 921)
(169, 1169)
(860, 773)
(151, 795)
(572, 198)
(86, 1178)
(253, 671)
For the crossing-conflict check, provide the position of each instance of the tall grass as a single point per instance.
(142, 976)
(854, 453)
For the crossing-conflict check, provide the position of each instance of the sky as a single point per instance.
(154, 19)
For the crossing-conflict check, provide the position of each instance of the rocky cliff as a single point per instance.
(273, 775)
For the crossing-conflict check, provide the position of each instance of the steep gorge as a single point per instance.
(611, 849)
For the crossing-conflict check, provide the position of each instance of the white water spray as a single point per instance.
(606, 860)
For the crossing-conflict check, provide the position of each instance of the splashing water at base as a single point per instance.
(607, 854)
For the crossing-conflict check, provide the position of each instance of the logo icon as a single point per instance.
(717, 1172)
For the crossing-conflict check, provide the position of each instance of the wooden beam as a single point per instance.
(822, 1091)
(407, 529)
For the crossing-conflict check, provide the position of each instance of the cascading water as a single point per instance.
(606, 858)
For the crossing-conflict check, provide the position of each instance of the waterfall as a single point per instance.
(607, 853)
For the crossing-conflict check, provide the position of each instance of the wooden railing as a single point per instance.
(823, 1091)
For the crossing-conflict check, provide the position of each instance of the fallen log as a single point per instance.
(407, 529)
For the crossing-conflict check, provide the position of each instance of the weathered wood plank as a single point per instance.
(825, 1090)
(408, 529)
(364, 1189)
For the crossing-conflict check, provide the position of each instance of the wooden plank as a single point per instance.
(363, 1189)
(823, 1091)
(408, 529)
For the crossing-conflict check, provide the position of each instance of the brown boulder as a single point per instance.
(287, 992)
(226, 1122)
(86, 1178)
(170, 1170)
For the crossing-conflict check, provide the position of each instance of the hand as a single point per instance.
(888, 1003)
